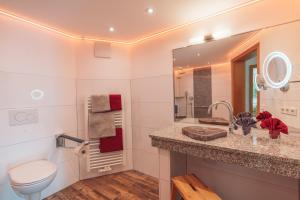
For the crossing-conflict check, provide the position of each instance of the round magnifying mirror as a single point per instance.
(277, 70)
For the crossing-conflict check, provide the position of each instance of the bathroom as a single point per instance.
(55, 55)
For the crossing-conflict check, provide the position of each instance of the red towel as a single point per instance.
(115, 102)
(110, 144)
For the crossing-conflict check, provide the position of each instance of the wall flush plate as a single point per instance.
(23, 116)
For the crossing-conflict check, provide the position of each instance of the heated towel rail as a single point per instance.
(103, 161)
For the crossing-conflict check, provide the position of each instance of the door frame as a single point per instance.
(234, 62)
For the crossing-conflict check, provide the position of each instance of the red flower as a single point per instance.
(274, 125)
(263, 115)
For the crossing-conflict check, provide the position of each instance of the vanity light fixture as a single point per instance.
(266, 66)
(197, 40)
(221, 34)
(202, 39)
(150, 10)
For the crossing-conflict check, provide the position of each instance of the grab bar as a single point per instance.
(60, 140)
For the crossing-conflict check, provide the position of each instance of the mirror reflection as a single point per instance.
(277, 69)
(230, 70)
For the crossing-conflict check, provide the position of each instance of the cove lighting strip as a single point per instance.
(142, 39)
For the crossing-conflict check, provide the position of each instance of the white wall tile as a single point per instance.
(28, 50)
(146, 162)
(117, 67)
(164, 190)
(152, 89)
(152, 114)
(164, 165)
(52, 120)
(141, 139)
(57, 91)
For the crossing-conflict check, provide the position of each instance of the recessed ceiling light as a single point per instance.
(111, 29)
(150, 11)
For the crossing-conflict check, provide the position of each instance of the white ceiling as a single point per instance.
(92, 18)
(214, 52)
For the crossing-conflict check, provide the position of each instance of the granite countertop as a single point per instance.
(280, 157)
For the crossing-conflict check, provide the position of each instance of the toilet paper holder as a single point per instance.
(61, 142)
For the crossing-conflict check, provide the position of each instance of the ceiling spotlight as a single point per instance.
(111, 29)
(150, 11)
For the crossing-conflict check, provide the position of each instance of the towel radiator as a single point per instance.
(103, 162)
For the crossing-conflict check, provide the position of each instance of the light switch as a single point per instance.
(23, 116)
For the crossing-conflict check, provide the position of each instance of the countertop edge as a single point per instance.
(266, 163)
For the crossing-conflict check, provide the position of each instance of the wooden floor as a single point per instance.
(131, 185)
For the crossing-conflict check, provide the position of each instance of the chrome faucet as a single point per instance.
(232, 124)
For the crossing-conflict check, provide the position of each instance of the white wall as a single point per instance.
(152, 93)
(104, 76)
(34, 59)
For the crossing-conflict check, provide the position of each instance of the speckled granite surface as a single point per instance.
(280, 157)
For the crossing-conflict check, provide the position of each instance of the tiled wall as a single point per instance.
(152, 109)
(33, 59)
(202, 92)
(64, 69)
(104, 76)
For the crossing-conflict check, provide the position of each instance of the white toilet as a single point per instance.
(29, 179)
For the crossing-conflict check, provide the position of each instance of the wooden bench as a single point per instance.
(191, 188)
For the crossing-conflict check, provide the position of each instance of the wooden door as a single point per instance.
(238, 87)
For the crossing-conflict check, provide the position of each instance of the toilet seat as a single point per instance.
(32, 173)
(15, 184)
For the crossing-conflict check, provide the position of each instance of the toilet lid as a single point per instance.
(32, 172)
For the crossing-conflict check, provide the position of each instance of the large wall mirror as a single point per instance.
(254, 71)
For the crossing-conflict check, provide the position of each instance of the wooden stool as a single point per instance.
(191, 188)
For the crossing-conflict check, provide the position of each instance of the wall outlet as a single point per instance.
(289, 111)
(23, 116)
